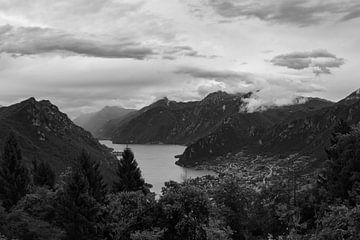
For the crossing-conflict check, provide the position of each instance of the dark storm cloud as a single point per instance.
(297, 12)
(319, 60)
(35, 40)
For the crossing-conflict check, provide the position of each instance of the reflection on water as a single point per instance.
(157, 163)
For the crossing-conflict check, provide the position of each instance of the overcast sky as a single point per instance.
(85, 54)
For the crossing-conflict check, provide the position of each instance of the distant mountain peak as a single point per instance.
(95, 121)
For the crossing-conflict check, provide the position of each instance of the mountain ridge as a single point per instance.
(45, 133)
(306, 134)
(213, 126)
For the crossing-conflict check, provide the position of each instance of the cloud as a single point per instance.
(296, 12)
(321, 61)
(267, 91)
(218, 75)
(36, 40)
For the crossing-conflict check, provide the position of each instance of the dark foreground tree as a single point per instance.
(14, 177)
(127, 213)
(43, 174)
(91, 170)
(342, 172)
(77, 211)
(128, 174)
(185, 212)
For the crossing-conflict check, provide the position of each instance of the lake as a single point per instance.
(157, 163)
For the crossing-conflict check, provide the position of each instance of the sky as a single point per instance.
(83, 55)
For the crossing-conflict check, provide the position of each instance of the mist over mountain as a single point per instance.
(302, 129)
(93, 122)
(218, 124)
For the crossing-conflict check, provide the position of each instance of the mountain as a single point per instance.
(218, 124)
(306, 133)
(47, 134)
(172, 122)
(94, 122)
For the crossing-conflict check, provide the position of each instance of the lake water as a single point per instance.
(157, 163)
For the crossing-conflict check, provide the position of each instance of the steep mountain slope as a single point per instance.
(94, 122)
(310, 134)
(245, 131)
(306, 133)
(176, 122)
(48, 134)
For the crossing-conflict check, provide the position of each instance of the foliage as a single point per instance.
(20, 225)
(14, 177)
(185, 212)
(39, 204)
(128, 212)
(341, 222)
(235, 204)
(342, 173)
(154, 234)
(91, 170)
(281, 205)
(77, 212)
(43, 174)
(128, 174)
(217, 231)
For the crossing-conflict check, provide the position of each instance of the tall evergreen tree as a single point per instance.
(128, 174)
(14, 177)
(43, 174)
(91, 170)
(77, 211)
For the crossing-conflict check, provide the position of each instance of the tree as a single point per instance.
(91, 170)
(19, 225)
(129, 212)
(340, 128)
(342, 170)
(234, 200)
(78, 212)
(43, 174)
(14, 177)
(185, 212)
(128, 174)
(341, 222)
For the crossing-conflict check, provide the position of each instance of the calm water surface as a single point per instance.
(157, 163)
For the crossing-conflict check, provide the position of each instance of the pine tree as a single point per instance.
(43, 174)
(14, 177)
(91, 170)
(77, 211)
(128, 174)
